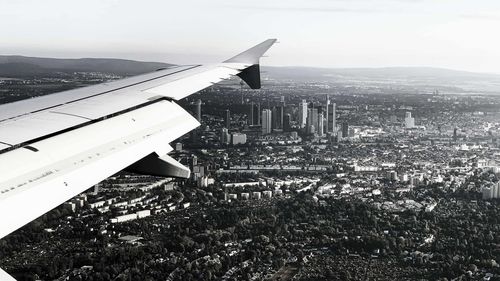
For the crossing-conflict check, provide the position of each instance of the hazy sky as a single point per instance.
(458, 34)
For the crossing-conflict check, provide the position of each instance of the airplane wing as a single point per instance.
(54, 147)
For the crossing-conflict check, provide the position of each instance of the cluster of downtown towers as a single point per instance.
(311, 118)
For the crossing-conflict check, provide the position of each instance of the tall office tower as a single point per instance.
(227, 119)
(225, 136)
(281, 112)
(198, 110)
(309, 120)
(315, 119)
(279, 117)
(332, 118)
(250, 114)
(257, 115)
(455, 135)
(321, 125)
(286, 123)
(409, 121)
(275, 118)
(345, 129)
(266, 121)
(326, 129)
(302, 114)
(312, 120)
(241, 91)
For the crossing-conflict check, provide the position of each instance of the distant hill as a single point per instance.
(427, 79)
(20, 66)
(421, 77)
(382, 72)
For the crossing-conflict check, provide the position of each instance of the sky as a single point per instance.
(456, 34)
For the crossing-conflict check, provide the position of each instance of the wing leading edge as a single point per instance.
(55, 147)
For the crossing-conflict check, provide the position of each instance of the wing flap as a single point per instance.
(70, 163)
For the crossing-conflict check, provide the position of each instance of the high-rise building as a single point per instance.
(332, 118)
(257, 115)
(198, 110)
(302, 114)
(287, 123)
(321, 125)
(409, 121)
(345, 129)
(275, 118)
(282, 111)
(327, 105)
(225, 136)
(266, 121)
(250, 114)
(281, 115)
(312, 121)
(241, 91)
(227, 119)
(315, 119)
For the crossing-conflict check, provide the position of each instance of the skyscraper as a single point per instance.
(332, 118)
(257, 114)
(327, 113)
(227, 119)
(266, 121)
(198, 110)
(225, 136)
(302, 113)
(312, 121)
(321, 125)
(409, 121)
(345, 129)
(250, 114)
(286, 123)
(275, 118)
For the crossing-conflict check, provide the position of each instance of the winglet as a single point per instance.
(252, 55)
(251, 74)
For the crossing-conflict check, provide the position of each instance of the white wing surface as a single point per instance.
(57, 146)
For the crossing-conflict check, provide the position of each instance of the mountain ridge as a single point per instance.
(19, 66)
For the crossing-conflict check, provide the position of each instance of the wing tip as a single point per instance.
(252, 55)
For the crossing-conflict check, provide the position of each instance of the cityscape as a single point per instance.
(306, 179)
